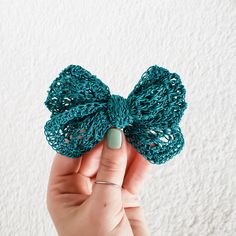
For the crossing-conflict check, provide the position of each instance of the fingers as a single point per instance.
(131, 152)
(86, 165)
(63, 165)
(112, 165)
(136, 174)
(114, 158)
(72, 175)
(91, 160)
(70, 184)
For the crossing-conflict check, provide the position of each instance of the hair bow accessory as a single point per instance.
(82, 110)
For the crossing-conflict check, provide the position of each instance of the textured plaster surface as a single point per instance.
(193, 194)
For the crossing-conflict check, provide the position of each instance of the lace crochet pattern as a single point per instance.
(82, 110)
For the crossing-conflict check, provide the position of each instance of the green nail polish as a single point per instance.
(114, 138)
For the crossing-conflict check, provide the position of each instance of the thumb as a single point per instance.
(113, 162)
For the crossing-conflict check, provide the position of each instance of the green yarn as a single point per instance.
(82, 111)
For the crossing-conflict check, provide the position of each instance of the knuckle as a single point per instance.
(110, 164)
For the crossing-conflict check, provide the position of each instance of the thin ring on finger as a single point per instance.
(107, 183)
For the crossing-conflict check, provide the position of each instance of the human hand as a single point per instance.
(79, 207)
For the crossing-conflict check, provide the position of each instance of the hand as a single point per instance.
(79, 207)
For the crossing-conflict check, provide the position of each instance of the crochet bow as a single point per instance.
(82, 110)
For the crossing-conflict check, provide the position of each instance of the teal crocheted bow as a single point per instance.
(82, 111)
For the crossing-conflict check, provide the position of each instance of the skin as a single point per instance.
(79, 207)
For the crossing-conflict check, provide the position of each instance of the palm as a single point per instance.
(71, 182)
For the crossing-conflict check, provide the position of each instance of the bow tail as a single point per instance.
(73, 136)
(157, 145)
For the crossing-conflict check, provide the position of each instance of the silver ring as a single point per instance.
(107, 183)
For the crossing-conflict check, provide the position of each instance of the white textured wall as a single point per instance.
(194, 194)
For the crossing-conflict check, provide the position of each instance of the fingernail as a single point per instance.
(114, 138)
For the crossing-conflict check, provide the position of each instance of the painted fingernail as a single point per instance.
(114, 138)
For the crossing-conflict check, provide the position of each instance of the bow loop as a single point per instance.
(75, 86)
(158, 99)
(118, 111)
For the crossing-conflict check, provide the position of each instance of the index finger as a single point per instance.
(63, 165)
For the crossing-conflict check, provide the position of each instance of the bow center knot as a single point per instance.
(118, 111)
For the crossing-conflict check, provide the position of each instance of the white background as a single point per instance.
(193, 194)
